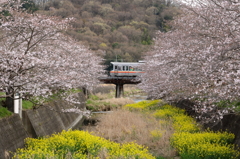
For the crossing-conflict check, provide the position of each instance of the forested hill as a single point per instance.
(115, 29)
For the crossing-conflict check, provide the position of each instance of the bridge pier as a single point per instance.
(119, 82)
(119, 90)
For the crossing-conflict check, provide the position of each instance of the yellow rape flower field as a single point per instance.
(79, 144)
(188, 138)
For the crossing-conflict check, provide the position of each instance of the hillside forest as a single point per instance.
(117, 30)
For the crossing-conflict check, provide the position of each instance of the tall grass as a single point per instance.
(125, 126)
(105, 102)
(132, 89)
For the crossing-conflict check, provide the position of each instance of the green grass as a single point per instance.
(93, 97)
(27, 104)
(4, 112)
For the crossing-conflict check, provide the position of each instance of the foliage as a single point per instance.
(146, 39)
(4, 112)
(29, 6)
(104, 21)
(198, 59)
(79, 144)
(5, 13)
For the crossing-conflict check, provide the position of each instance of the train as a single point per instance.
(126, 69)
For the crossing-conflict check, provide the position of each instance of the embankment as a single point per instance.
(39, 122)
(229, 123)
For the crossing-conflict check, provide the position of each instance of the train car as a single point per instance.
(125, 69)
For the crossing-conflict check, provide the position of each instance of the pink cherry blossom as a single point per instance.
(200, 57)
(37, 57)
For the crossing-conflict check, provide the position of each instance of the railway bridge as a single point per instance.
(119, 82)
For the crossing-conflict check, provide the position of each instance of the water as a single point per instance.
(138, 97)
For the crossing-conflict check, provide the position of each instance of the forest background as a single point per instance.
(117, 30)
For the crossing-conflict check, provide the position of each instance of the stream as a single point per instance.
(138, 97)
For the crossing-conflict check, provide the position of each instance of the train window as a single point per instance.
(115, 67)
(123, 68)
(131, 68)
(119, 68)
(126, 68)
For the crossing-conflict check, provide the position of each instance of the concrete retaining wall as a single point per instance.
(12, 135)
(45, 121)
(37, 123)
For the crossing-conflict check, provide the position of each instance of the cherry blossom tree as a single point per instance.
(199, 58)
(37, 58)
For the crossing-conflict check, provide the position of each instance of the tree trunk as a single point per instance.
(9, 103)
(85, 92)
